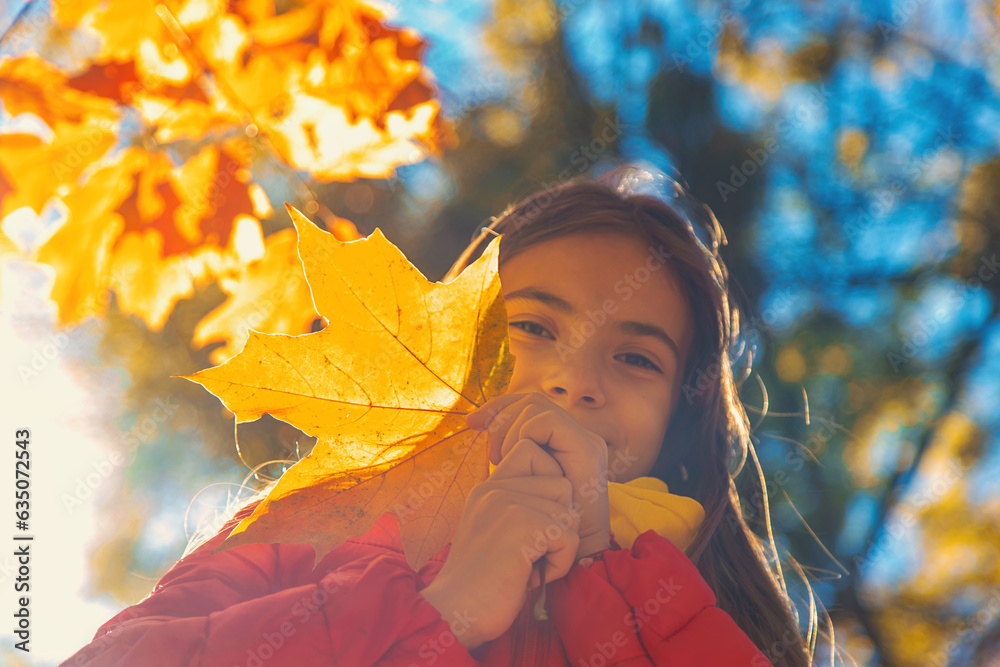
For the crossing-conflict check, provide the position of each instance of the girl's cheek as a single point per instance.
(526, 363)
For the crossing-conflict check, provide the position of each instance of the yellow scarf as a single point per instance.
(646, 503)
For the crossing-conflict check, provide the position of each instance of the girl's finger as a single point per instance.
(527, 458)
(536, 490)
(560, 555)
(548, 428)
(502, 440)
(486, 415)
(550, 520)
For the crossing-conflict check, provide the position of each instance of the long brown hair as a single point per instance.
(708, 439)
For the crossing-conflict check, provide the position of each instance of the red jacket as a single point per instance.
(262, 605)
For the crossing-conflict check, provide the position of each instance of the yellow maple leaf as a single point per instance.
(385, 387)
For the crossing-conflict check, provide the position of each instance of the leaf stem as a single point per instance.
(541, 613)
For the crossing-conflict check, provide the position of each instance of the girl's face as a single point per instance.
(599, 325)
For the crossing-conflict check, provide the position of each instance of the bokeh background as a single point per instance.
(849, 149)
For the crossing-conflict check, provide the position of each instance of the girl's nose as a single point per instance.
(587, 399)
(575, 382)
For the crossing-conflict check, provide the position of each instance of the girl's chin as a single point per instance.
(612, 477)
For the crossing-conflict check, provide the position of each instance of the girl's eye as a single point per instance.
(643, 361)
(532, 327)
(538, 330)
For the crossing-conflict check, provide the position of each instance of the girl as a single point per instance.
(609, 531)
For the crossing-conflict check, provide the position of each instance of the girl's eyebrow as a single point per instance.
(629, 327)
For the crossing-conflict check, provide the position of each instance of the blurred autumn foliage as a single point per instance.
(154, 141)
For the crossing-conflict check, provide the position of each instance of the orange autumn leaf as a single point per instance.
(35, 169)
(168, 98)
(134, 29)
(194, 204)
(70, 14)
(139, 63)
(347, 96)
(151, 231)
(385, 388)
(216, 188)
(149, 282)
(153, 206)
(267, 29)
(183, 119)
(79, 252)
(13, 146)
(123, 81)
(6, 187)
(116, 82)
(330, 87)
(336, 91)
(29, 84)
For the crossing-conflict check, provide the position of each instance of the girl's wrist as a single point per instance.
(591, 549)
(596, 542)
(588, 560)
(443, 602)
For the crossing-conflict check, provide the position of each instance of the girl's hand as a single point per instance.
(516, 517)
(581, 454)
